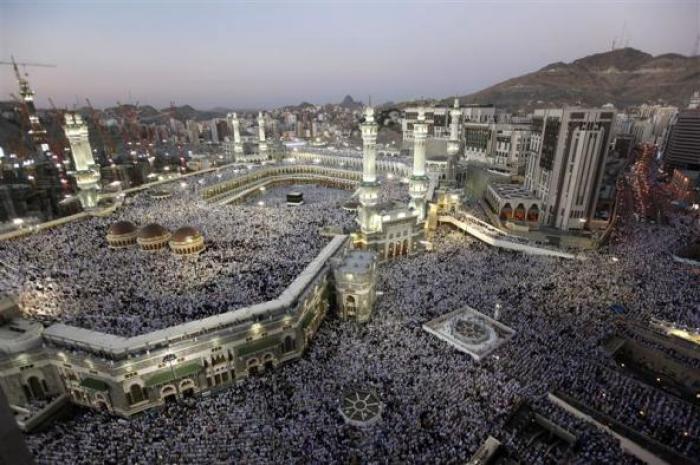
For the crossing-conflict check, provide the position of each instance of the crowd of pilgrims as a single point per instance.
(440, 405)
(253, 252)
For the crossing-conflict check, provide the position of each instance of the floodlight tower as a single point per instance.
(418, 185)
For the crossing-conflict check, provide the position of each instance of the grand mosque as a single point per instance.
(126, 375)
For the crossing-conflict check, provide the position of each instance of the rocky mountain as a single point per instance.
(622, 77)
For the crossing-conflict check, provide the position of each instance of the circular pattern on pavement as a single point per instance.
(361, 408)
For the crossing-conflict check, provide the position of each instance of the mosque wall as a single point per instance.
(209, 355)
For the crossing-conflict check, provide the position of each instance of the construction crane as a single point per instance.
(14, 63)
(35, 131)
(16, 66)
(23, 83)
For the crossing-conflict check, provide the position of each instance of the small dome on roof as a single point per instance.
(184, 234)
(152, 230)
(121, 228)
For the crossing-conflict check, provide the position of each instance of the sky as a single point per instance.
(265, 54)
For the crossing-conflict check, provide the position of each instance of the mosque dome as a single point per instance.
(186, 241)
(153, 237)
(121, 234)
(185, 234)
(122, 227)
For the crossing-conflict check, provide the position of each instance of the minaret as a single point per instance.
(262, 145)
(454, 144)
(236, 128)
(87, 173)
(369, 189)
(418, 186)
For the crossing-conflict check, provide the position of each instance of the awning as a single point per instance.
(94, 384)
(179, 371)
(258, 346)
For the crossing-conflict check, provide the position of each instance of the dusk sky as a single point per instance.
(266, 54)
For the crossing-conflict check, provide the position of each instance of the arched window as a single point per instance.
(506, 212)
(289, 344)
(35, 388)
(136, 394)
(533, 214)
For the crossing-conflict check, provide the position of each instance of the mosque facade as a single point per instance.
(124, 376)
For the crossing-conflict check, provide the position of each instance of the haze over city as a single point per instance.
(267, 54)
(219, 244)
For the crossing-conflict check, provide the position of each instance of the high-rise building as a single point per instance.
(504, 146)
(214, 131)
(479, 113)
(36, 131)
(478, 140)
(222, 129)
(683, 145)
(193, 131)
(567, 159)
(435, 119)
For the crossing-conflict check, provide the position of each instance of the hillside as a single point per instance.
(622, 77)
